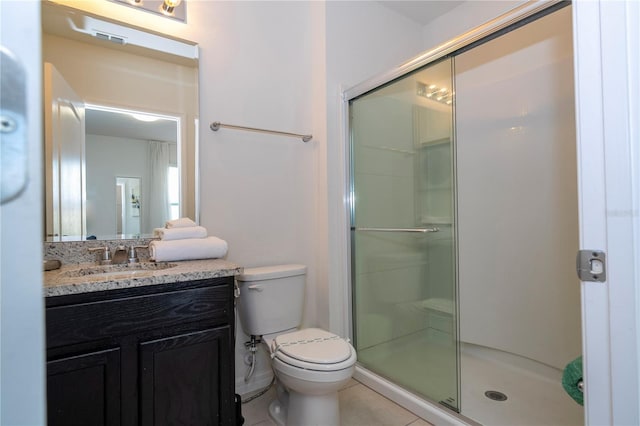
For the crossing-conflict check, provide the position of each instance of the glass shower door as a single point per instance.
(402, 233)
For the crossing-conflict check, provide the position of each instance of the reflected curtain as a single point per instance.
(158, 205)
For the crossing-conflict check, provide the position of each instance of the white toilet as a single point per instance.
(311, 365)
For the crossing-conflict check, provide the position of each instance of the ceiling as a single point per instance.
(108, 123)
(421, 12)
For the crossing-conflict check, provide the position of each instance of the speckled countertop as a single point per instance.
(89, 277)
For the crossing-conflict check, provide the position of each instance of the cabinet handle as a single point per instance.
(255, 287)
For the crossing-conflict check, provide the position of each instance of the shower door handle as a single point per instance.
(420, 230)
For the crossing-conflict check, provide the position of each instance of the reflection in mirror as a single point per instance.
(87, 80)
(127, 208)
(139, 152)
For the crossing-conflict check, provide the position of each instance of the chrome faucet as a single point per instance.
(120, 255)
(105, 257)
(133, 254)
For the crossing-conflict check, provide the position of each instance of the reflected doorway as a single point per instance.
(128, 205)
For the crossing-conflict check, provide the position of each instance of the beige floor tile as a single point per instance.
(351, 382)
(360, 406)
(256, 412)
(420, 422)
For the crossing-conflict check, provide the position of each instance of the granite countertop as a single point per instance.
(90, 277)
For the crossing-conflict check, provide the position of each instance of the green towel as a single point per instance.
(571, 376)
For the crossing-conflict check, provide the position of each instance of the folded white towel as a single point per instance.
(191, 249)
(179, 223)
(180, 233)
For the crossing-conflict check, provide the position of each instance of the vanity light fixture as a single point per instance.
(174, 9)
(433, 92)
(169, 5)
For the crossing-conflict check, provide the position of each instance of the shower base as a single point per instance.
(534, 392)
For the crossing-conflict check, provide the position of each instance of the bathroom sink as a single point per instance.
(114, 271)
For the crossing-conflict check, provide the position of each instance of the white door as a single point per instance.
(64, 157)
(607, 75)
(22, 341)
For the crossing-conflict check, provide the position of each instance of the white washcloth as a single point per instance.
(191, 249)
(180, 233)
(183, 222)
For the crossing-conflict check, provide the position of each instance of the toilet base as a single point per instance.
(277, 412)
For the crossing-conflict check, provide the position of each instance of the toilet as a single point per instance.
(311, 364)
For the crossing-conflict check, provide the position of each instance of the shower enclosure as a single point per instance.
(403, 233)
(464, 226)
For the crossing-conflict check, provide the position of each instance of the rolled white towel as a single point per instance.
(191, 249)
(180, 233)
(183, 222)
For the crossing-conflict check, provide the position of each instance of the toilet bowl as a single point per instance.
(311, 365)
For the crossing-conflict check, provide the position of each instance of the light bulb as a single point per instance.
(169, 5)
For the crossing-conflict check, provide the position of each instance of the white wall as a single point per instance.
(463, 18)
(258, 191)
(107, 158)
(517, 194)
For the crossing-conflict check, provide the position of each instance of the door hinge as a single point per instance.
(13, 127)
(591, 265)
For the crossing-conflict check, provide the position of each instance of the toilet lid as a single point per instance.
(313, 345)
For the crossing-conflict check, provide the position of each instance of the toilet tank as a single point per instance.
(271, 298)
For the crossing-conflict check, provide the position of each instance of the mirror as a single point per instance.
(122, 146)
(121, 112)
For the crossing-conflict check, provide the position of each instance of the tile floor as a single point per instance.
(359, 406)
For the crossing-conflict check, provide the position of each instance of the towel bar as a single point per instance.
(216, 125)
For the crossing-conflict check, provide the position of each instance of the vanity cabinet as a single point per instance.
(152, 355)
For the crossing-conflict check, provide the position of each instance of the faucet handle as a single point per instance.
(133, 255)
(105, 258)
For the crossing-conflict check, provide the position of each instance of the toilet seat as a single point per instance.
(313, 349)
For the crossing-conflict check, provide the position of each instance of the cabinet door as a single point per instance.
(84, 389)
(187, 379)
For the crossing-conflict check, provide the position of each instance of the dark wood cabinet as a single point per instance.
(84, 389)
(182, 377)
(154, 355)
